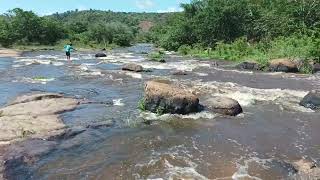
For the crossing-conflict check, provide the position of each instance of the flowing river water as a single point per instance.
(273, 129)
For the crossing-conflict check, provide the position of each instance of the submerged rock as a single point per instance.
(132, 67)
(311, 100)
(283, 65)
(100, 55)
(162, 98)
(249, 66)
(180, 73)
(224, 105)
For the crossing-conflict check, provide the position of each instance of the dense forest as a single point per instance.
(244, 29)
(90, 27)
(257, 30)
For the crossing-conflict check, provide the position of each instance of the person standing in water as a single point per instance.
(68, 48)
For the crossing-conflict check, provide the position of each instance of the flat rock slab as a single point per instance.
(42, 107)
(35, 97)
(33, 115)
(166, 98)
(14, 127)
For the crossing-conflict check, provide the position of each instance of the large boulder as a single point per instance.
(100, 55)
(249, 66)
(311, 100)
(161, 97)
(224, 105)
(283, 65)
(132, 67)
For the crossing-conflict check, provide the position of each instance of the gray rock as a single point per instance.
(33, 115)
(249, 66)
(162, 98)
(311, 100)
(180, 73)
(35, 97)
(316, 67)
(100, 55)
(132, 67)
(224, 105)
(306, 169)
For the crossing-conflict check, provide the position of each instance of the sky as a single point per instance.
(46, 7)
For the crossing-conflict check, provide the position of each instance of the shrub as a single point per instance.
(157, 56)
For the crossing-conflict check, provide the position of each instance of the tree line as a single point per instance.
(83, 27)
(243, 28)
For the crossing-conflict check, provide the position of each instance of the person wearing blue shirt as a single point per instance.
(68, 49)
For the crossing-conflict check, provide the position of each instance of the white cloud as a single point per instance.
(144, 4)
(170, 9)
(82, 7)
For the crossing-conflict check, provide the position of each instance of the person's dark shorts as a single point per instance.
(68, 53)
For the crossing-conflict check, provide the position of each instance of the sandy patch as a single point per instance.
(9, 53)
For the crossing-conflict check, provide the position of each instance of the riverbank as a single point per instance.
(10, 52)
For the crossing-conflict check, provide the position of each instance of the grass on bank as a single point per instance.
(295, 47)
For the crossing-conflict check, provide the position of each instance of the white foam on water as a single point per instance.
(200, 115)
(233, 70)
(201, 74)
(247, 96)
(47, 57)
(133, 75)
(164, 117)
(57, 63)
(117, 102)
(243, 172)
(166, 168)
(180, 65)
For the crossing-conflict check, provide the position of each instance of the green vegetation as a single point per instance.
(142, 105)
(88, 29)
(157, 56)
(160, 110)
(242, 30)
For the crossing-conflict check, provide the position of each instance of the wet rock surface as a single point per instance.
(33, 114)
(132, 67)
(224, 105)
(306, 169)
(100, 55)
(180, 73)
(160, 96)
(316, 67)
(35, 97)
(283, 65)
(311, 100)
(249, 66)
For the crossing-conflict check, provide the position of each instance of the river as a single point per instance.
(273, 129)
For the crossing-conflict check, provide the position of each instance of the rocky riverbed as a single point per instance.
(84, 120)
